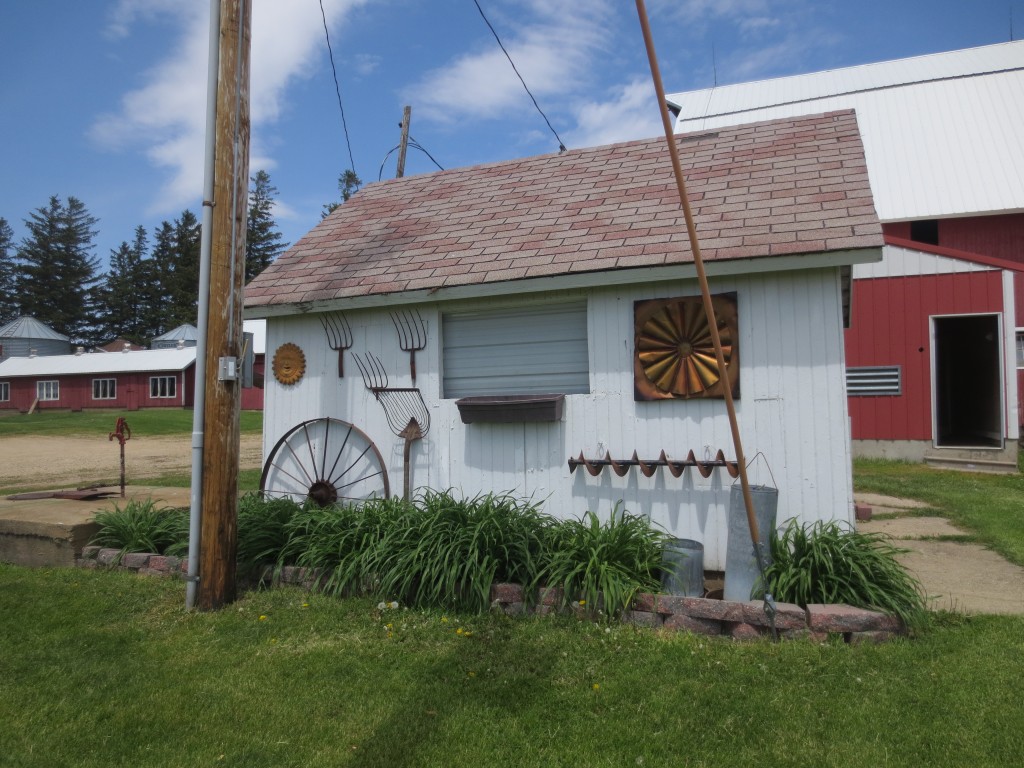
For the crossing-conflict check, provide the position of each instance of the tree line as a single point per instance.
(151, 286)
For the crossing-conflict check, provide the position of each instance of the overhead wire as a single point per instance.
(561, 145)
(415, 145)
(337, 90)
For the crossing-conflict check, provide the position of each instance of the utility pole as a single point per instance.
(218, 542)
(403, 145)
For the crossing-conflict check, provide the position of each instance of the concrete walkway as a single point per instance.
(957, 576)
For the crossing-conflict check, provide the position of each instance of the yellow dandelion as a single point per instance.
(305, 605)
(459, 631)
(471, 674)
(583, 602)
(596, 687)
(444, 619)
(263, 617)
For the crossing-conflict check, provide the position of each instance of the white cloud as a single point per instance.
(631, 113)
(166, 117)
(552, 44)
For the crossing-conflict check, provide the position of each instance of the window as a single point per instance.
(925, 231)
(1020, 349)
(877, 380)
(162, 386)
(5, 391)
(48, 390)
(104, 389)
(519, 351)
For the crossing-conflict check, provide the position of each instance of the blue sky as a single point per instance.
(105, 100)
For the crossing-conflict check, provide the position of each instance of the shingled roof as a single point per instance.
(777, 188)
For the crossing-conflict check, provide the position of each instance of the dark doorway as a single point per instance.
(968, 384)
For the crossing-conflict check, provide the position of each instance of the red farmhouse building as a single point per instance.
(129, 380)
(935, 342)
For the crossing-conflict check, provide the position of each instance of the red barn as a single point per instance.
(129, 380)
(935, 342)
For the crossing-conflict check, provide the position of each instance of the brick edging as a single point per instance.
(739, 621)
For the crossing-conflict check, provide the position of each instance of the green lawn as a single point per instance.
(153, 421)
(989, 506)
(103, 669)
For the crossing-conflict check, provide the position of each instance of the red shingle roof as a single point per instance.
(781, 187)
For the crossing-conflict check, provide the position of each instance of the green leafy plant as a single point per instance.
(142, 526)
(263, 528)
(825, 562)
(450, 551)
(594, 561)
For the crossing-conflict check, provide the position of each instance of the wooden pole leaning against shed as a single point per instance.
(702, 277)
(219, 526)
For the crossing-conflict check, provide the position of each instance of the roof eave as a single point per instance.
(576, 281)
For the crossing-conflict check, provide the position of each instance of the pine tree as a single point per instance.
(127, 292)
(161, 269)
(348, 185)
(8, 270)
(57, 281)
(184, 278)
(262, 239)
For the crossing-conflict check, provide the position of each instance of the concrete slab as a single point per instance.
(966, 578)
(911, 527)
(52, 532)
(876, 500)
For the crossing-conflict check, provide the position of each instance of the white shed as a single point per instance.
(550, 306)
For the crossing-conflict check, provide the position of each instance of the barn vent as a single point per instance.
(79, 351)
(32, 353)
(127, 347)
(874, 381)
(181, 344)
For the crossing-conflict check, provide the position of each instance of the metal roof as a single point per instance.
(940, 132)
(185, 332)
(99, 363)
(29, 328)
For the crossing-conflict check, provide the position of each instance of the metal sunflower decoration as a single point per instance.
(674, 357)
(289, 363)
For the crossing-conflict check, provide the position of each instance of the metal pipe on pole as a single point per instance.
(205, 247)
(702, 278)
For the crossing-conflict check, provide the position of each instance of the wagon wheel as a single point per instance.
(325, 460)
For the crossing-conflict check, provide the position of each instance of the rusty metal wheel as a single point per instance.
(327, 461)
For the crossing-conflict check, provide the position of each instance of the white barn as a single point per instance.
(536, 287)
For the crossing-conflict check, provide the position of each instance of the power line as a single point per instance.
(561, 146)
(415, 145)
(337, 89)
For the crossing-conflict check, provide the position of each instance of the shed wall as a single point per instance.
(792, 409)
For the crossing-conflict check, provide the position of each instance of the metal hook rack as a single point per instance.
(648, 467)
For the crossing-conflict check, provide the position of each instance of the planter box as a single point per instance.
(511, 409)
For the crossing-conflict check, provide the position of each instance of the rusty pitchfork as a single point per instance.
(412, 335)
(404, 408)
(339, 336)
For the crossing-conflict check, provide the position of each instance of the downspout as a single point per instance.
(205, 247)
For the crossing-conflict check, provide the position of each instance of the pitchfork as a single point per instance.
(339, 336)
(412, 335)
(404, 409)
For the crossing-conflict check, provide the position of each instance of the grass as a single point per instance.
(146, 422)
(103, 669)
(986, 505)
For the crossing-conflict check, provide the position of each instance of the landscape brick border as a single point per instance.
(726, 618)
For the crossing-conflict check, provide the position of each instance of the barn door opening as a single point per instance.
(967, 381)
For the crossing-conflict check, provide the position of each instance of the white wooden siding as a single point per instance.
(792, 409)
(905, 262)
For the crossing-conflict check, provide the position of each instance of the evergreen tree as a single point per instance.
(57, 281)
(8, 270)
(262, 238)
(161, 270)
(348, 185)
(127, 292)
(183, 282)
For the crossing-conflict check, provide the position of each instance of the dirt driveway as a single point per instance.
(62, 462)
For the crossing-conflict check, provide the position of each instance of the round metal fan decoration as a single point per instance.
(674, 356)
(289, 363)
